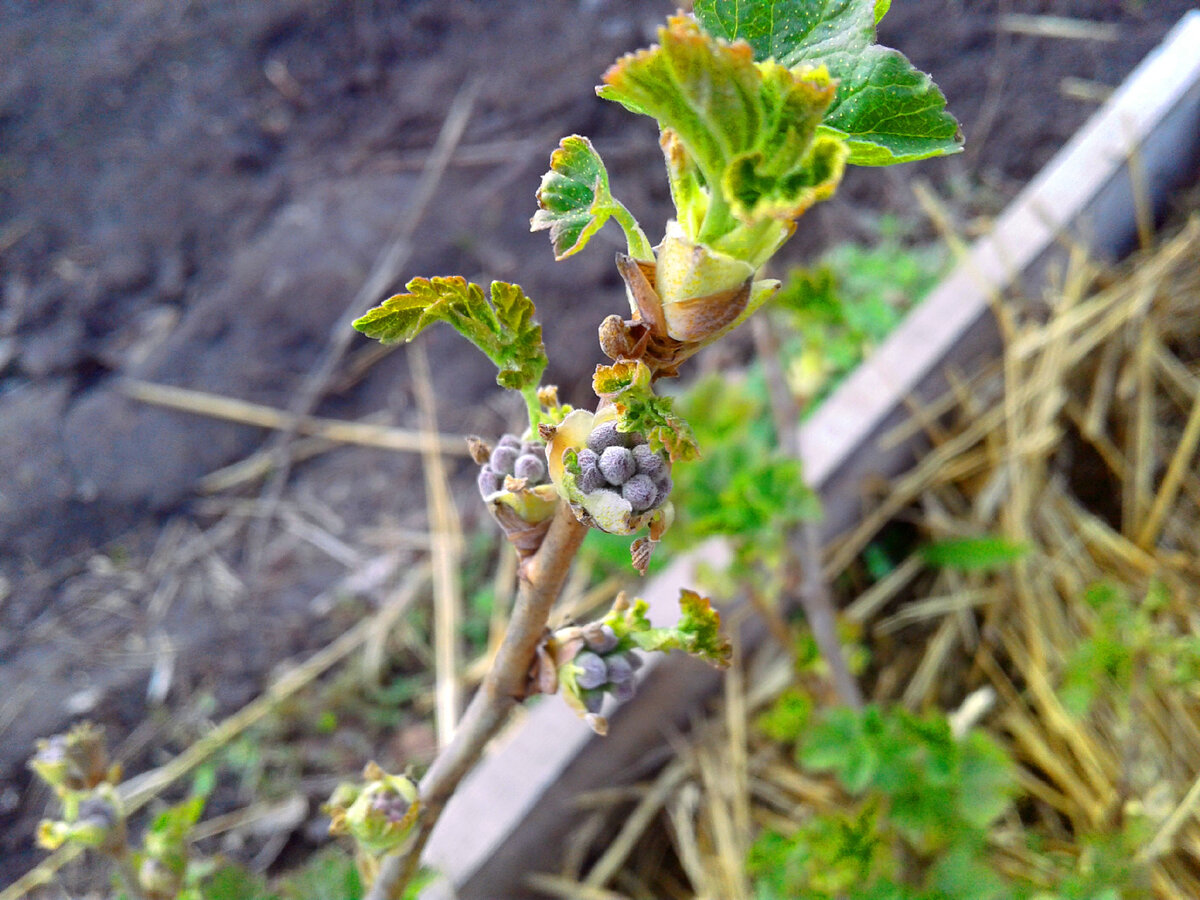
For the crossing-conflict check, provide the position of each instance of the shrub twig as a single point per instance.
(542, 578)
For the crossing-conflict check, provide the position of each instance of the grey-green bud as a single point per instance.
(599, 637)
(591, 670)
(605, 436)
(531, 467)
(503, 458)
(617, 465)
(619, 669)
(640, 492)
(648, 462)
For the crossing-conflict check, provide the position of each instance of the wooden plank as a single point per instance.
(511, 815)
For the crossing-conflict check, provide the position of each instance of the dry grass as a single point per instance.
(1082, 444)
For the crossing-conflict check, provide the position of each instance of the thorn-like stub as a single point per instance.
(547, 432)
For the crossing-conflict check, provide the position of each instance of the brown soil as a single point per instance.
(192, 194)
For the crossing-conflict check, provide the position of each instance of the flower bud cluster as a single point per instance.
(601, 669)
(378, 812)
(75, 761)
(623, 464)
(516, 458)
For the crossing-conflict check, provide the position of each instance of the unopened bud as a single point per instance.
(591, 671)
(381, 814)
(75, 761)
(530, 467)
(640, 492)
(619, 669)
(648, 462)
(599, 637)
(604, 436)
(504, 456)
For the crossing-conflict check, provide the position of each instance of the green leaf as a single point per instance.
(988, 780)
(973, 554)
(697, 633)
(767, 495)
(840, 742)
(791, 32)
(748, 128)
(887, 111)
(574, 201)
(786, 719)
(639, 409)
(504, 329)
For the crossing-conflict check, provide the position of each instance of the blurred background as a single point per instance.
(200, 195)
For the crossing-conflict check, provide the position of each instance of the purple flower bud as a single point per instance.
(588, 459)
(664, 486)
(624, 691)
(648, 462)
(640, 492)
(605, 436)
(591, 481)
(503, 458)
(619, 669)
(635, 661)
(592, 671)
(535, 447)
(510, 440)
(530, 467)
(489, 481)
(590, 478)
(617, 465)
(599, 637)
(593, 701)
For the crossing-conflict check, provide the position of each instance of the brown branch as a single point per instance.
(813, 592)
(542, 577)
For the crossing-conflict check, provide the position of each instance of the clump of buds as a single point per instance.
(603, 669)
(613, 480)
(585, 663)
(379, 813)
(514, 483)
(625, 464)
(77, 767)
(75, 761)
(93, 818)
(513, 458)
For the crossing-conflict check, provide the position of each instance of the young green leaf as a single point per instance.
(574, 201)
(749, 128)
(886, 110)
(697, 633)
(973, 554)
(639, 409)
(504, 328)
